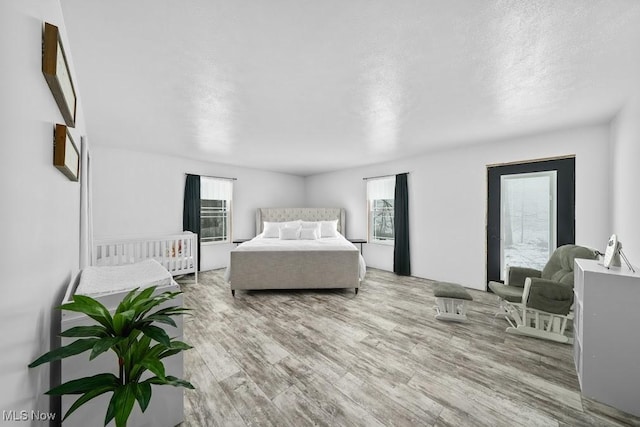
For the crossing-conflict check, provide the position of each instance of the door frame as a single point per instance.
(565, 167)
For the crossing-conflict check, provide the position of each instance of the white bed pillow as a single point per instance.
(309, 233)
(329, 228)
(314, 225)
(271, 230)
(289, 233)
(290, 224)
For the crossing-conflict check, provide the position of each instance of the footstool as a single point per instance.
(451, 300)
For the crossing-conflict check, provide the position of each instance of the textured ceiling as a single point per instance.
(303, 86)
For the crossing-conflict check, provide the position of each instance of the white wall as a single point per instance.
(625, 193)
(39, 217)
(141, 194)
(448, 192)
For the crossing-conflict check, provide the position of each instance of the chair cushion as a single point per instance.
(450, 290)
(550, 296)
(506, 292)
(518, 275)
(560, 265)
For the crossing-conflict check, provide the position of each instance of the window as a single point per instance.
(380, 198)
(215, 210)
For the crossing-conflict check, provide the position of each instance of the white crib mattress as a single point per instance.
(98, 281)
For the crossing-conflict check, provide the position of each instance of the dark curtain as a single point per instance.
(401, 258)
(191, 210)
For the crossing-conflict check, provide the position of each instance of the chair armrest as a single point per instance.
(547, 295)
(517, 275)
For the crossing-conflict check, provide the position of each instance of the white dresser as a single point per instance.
(607, 334)
(110, 287)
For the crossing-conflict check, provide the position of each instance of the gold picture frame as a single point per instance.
(56, 72)
(66, 156)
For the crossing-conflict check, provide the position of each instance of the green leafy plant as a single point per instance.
(139, 345)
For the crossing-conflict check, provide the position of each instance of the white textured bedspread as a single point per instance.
(260, 243)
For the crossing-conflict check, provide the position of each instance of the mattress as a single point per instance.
(339, 243)
(100, 281)
(260, 243)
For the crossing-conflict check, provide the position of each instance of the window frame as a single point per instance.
(371, 213)
(228, 217)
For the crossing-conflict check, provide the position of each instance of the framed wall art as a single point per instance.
(65, 153)
(56, 71)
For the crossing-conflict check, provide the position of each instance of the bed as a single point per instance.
(178, 253)
(274, 263)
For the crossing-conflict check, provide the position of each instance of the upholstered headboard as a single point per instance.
(305, 214)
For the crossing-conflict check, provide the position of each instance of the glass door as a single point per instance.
(530, 212)
(528, 219)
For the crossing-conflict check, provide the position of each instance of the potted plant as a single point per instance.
(138, 344)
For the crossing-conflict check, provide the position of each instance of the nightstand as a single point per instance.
(358, 242)
(238, 241)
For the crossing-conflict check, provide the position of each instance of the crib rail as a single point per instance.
(178, 253)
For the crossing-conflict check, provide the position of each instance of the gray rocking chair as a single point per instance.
(539, 303)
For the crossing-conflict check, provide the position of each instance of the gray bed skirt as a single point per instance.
(294, 269)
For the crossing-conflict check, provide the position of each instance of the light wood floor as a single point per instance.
(295, 358)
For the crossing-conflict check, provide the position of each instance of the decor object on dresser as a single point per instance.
(56, 72)
(538, 303)
(65, 153)
(131, 332)
(606, 348)
(178, 253)
(613, 253)
(451, 300)
(274, 259)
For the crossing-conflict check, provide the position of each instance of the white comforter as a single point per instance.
(260, 243)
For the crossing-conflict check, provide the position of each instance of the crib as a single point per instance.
(178, 253)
